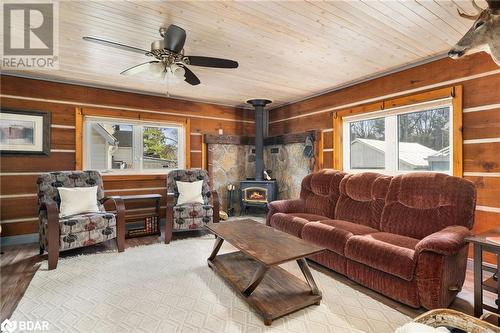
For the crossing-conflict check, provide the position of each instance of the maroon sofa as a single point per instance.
(402, 236)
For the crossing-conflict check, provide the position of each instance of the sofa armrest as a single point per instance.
(445, 242)
(284, 206)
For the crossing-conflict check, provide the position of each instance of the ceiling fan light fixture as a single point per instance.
(176, 72)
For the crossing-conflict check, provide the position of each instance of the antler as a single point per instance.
(471, 17)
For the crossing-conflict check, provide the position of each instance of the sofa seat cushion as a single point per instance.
(333, 234)
(390, 253)
(294, 222)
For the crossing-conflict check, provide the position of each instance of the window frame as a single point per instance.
(137, 143)
(403, 98)
(391, 133)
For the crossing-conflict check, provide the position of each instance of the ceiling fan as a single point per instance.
(170, 59)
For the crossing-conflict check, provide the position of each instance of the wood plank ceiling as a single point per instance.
(286, 50)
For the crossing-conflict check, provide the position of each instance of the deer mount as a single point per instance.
(484, 34)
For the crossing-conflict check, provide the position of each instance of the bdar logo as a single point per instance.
(8, 326)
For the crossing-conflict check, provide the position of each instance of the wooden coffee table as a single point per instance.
(254, 273)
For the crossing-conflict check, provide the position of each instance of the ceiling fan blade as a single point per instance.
(175, 37)
(150, 65)
(190, 77)
(211, 62)
(115, 45)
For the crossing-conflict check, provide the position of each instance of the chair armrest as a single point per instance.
(52, 213)
(284, 206)
(53, 231)
(119, 206)
(445, 242)
(215, 205)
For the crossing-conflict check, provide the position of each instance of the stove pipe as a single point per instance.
(259, 105)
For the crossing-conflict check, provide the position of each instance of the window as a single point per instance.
(121, 146)
(412, 138)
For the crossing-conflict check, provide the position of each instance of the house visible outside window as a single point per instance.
(128, 146)
(411, 138)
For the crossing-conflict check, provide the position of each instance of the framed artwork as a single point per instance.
(24, 132)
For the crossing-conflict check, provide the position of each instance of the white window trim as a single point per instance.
(391, 137)
(137, 145)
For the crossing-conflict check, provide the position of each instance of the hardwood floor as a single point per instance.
(19, 263)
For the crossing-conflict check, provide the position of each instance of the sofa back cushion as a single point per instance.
(320, 192)
(419, 204)
(362, 198)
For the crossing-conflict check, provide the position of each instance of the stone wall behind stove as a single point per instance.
(232, 163)
(289, 166)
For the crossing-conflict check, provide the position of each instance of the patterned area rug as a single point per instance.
(170, 288)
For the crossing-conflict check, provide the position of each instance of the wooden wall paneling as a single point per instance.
(203, 153)
(337, 142)
(196, 161)
(196, 151)
(481, 125)
(481, 91)
(78, 139)
(320, 162)
(56, 161)
(18, 184)
(196, 142)
(328, 140)
(61, 114)
(457, 131)
(62, 138)
(187, 129)
(84, 96)
(297, 125)
(19, 207)
(482, 157)
(19, 228)
(488, 190)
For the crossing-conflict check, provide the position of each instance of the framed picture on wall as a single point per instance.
(24, 132)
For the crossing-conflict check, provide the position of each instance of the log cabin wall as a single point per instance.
(18, 174)
(480, 79)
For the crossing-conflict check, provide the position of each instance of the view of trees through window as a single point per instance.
(423, 141)
(160, 147)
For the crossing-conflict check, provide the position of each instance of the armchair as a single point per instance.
(189, 216)
(64, 233)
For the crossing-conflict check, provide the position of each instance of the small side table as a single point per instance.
(491, 284)
(151, 220)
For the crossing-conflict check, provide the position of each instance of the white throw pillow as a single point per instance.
(190, 192)
(77, 200)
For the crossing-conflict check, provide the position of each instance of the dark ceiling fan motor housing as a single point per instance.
(175, 37)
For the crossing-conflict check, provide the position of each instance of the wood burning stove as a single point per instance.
(258, 192)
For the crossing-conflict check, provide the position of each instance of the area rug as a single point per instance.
(170, 288)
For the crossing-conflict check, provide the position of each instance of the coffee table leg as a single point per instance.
(304, 267)
(217, 245)
(257, 278)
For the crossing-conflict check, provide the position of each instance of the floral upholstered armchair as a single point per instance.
(189, 216)
(59, 234)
